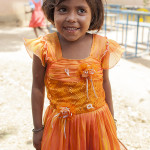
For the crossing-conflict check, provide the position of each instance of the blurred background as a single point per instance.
(13, 11)
(127, 22)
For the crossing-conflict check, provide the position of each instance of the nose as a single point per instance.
(71, 17)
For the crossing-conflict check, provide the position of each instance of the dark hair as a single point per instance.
(97, 10)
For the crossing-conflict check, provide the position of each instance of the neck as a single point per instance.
(63, 40)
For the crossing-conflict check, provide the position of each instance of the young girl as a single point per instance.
(73, 65)
(37, 19)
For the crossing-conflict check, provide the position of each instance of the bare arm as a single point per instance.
(38, 91)
(107, 88)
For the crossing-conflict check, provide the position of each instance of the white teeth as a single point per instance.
(71, 28)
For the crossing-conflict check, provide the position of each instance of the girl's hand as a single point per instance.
(37, 138)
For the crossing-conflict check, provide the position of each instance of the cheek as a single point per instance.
(57, 18)
(87, 21)
(57, 21)
(90, 19)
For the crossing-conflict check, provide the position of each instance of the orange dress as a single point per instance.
(78, 117)
(37, 18)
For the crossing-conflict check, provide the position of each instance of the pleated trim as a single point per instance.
(88, 131)
(111, 55)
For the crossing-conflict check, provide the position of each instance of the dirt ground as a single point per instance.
(130, 80)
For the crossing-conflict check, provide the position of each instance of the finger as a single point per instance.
(37, 146)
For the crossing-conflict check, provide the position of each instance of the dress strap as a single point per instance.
(99, 46)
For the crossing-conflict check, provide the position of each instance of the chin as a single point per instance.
(71, 39)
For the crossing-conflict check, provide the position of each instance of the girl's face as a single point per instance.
(72, 19)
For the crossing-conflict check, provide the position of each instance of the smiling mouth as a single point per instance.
(71, 29)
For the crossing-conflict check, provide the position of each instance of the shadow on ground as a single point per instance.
(7, 132)
(141, 60)
(11, 39)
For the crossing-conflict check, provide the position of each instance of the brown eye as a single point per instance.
(62, 10)
(81, 11)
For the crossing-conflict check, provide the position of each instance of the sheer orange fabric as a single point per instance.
(78, 117)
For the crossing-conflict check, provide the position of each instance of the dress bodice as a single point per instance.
(75, 84)
(78, 118)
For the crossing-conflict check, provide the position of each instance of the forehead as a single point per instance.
(74, 3)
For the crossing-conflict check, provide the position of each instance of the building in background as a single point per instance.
(12, 12)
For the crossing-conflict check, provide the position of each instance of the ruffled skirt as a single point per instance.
(37, 19)
(94, 130)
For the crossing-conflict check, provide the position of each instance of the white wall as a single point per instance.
(12, 11)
